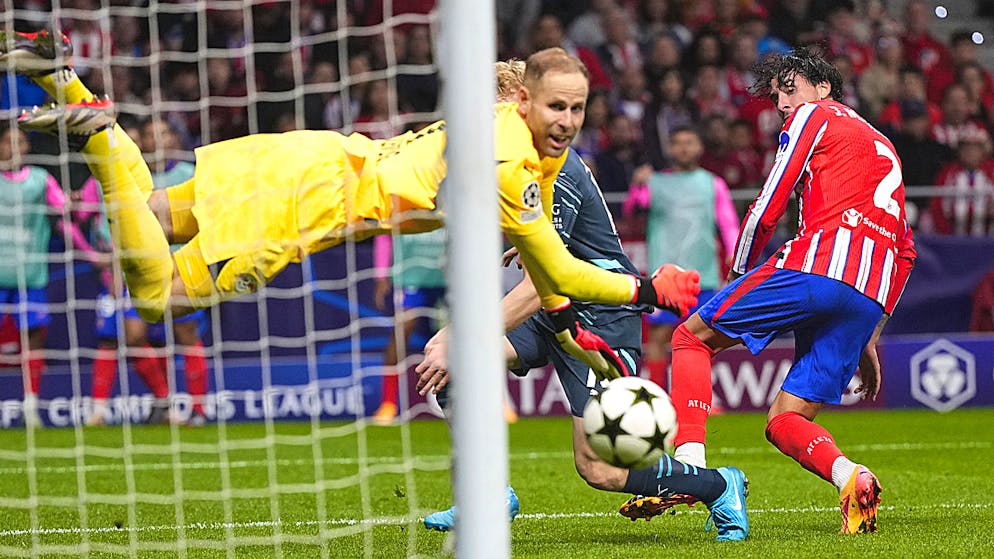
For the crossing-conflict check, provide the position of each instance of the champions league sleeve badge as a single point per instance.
(531, 196)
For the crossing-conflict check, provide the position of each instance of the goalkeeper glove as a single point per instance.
(585, 345)
(671, 288)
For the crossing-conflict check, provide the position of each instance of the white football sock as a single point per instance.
(691, 453)
(842, 470)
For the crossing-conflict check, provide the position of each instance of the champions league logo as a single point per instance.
(531, 197)
(943, 376)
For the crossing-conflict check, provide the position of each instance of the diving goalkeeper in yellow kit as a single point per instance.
(259, 202)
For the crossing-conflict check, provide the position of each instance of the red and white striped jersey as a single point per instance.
(849, 186)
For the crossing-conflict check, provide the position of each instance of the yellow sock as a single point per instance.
(134, 161)
(66, 88)
(141, 244)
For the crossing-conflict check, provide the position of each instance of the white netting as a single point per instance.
(283, 467)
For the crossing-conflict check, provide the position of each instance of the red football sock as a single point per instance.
(805, 441)
(195, 369)
(657, 371)
(104, 373)
(152, 370)
(690, 389)
(36, 366)
(391, 386)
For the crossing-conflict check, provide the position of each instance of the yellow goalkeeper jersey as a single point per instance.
(276, 197)
(409, 169)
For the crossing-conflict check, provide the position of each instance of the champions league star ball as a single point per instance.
(631, 423)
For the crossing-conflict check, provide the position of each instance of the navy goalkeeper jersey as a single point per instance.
(581, 217)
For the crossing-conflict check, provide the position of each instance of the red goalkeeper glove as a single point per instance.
(585, 345)
(671, 288)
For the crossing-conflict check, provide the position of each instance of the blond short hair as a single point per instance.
(510, 78)
(552, 60)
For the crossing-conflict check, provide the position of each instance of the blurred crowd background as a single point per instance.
(655, 65)
(919, 71)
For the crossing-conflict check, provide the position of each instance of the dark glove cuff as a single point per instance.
(563, 318)
(646, 294)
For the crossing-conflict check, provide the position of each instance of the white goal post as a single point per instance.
(467, 52)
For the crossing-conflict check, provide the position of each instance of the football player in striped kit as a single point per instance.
(833, 285)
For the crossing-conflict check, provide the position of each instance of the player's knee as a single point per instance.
(186, 333)
(683, 338)
(774, 423)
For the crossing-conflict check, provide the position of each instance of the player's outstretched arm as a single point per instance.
(517, 305)
(559, 276)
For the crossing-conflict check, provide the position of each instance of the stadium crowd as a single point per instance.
(655, 65)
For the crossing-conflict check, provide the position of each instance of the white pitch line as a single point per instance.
(402, 520)
(439, 461)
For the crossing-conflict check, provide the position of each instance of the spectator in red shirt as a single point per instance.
(970, 208)
(707, 93)
(742, 55)
(375, 117)
(878, 84)
(850, 95)
(920, 47)
(765, 121)
(910, 87)
(727, 14)
(743, 151)
(958, 120)
(962, 52)
(548, 33)
(620, 50)
(973, 76)
(718, 156)
(842, 39)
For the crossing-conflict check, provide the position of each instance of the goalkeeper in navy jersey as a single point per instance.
(582, 219)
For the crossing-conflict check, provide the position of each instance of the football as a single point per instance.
(630, 423)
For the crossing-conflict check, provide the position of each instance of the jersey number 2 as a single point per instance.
(883, 196)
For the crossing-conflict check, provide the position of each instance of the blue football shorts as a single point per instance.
(36, 303)
(830, 320)
(423, 297)
(106, 319)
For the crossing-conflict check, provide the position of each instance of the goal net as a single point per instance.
(272, 449)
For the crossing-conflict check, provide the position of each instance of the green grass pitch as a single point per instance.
(938, 498)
